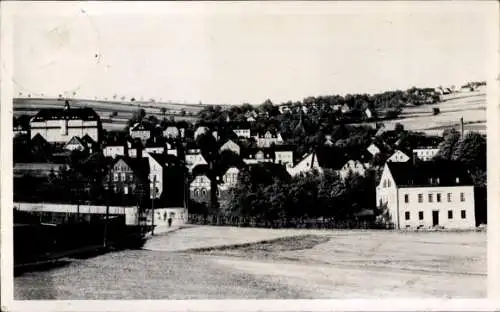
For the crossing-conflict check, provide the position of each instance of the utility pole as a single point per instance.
(107, 211)
(153, 195)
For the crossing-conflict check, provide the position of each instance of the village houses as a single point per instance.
(141, 131)
(398, 156)
(425, 154)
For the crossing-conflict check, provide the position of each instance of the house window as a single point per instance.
(457, 180)
(407, 215)
(462, 214)
(407, 199)
(115, 177)
(420, 198)
(430, 197)
(438, 197)
(449, 197)
(450, 214)
(420, 215)
(124, 176)
(204, 192)
(462, 197)
(437, 180)
(388, 183)
(196, 192)
(125, 190)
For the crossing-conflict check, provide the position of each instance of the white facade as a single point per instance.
(230, 178)
(60, 131)
(74, 145)
(284, 157)
(155, 175)
(171, 132)
(413, 207)
(230, 146)
(113, 151)
(305, 166)
(352, 166)
(193, 160)
(155, 150)
(268, 139)
(172, 151)
(398, 156)
(199, 131)
(425, 154)
(242, 132)
(373, 149)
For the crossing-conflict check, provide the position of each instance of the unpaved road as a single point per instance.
(311, 265)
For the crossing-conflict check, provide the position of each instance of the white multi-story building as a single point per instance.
(427, 194)
(425, 154)
(284, 158)
(59, 125)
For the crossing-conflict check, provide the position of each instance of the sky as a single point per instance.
(231, 53)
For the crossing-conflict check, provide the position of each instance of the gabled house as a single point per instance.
(230, 145)
(166, 178)
(194, 158)
(425, 153)
(283, 154)
(75, 144)
(141, 131)
(398, 156)
(156, 145)
(267, 138)
(200, 130)
(257, 155)
(427, 194)
(91, 145)
(134, 147)
(117, 147)
(241, 129)
(353, 167)
(373, 149)
(128, 177)
(307, 164)
(171, 132)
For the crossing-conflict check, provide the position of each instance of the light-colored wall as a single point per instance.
(57, 135)
(242, 132)
(155, 150)
(425, 154)
(305, 166)
(142, 134)
(155, 172)
(231, 146)
(113, 151)
(455, 205)
(285, 157)
(179, 217)
(398, 156)
(395, 199)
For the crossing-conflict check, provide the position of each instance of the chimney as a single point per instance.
(462, 127)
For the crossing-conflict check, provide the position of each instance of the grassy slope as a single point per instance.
(311, 265)
(470, 106)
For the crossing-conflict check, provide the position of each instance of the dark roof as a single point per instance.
(141, 126)
(261, 134)
(244, 153)
(156, 142)
(442, 173)
(239, 125)
(88, 140)
(135, 143)
(164, 159)
(283, 147)
(85, 113)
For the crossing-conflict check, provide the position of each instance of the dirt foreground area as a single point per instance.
(242, 263)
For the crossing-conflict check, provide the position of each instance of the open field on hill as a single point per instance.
(289, 264)
(105, 108)
(471, 106)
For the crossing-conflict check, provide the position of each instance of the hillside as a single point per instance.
(30, 106)
(471, 106)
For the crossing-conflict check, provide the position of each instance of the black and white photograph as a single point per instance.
(248, 150)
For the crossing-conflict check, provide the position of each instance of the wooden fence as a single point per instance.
(297, 223)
